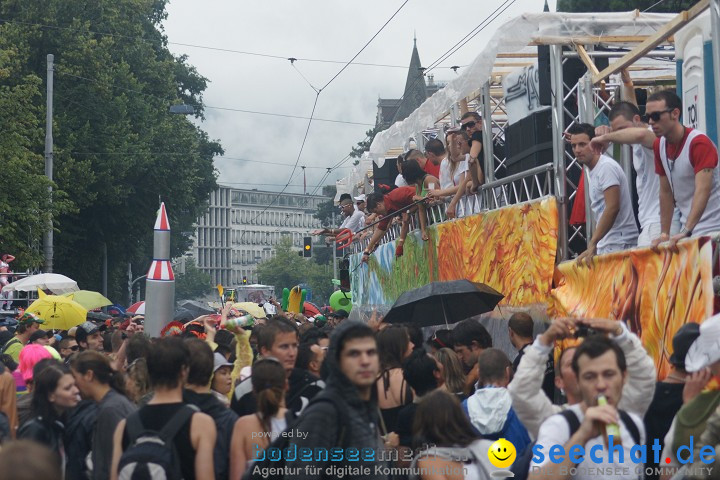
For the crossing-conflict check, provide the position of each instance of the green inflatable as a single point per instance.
(341, 301)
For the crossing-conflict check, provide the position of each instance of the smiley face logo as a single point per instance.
(502, 453)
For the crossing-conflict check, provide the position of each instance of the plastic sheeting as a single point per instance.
(354, 184)
(514, 36)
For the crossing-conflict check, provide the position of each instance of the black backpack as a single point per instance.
(521, 466)
(283, 442)
(151, 454)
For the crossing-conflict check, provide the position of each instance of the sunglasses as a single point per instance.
(74, 348)
(467, 125)
(655, 116)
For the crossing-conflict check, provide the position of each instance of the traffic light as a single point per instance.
(307, 247)
(244, 280)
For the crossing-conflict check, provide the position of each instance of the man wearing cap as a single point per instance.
(88, 337)
(27, 325)
(672, 392)
(702, 362)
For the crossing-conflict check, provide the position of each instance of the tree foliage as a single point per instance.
(192, 284)
(287, 269)
(118, 150)
(666, 6)
(326, 209)
(364, 145)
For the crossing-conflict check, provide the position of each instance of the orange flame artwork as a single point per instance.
(511, 249)
(654, 294)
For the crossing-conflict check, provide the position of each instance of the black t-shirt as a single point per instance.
(154, 417)
(476, 137)
(665, 404)
(498, 153)
(405, 420)
(548, 384)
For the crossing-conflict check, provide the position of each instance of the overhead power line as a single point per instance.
(205, 47)
(139, 92)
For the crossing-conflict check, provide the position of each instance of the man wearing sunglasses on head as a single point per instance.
(686, 161)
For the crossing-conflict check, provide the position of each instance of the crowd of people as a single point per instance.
(212, 400)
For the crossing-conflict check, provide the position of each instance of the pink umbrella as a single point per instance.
(137, 308)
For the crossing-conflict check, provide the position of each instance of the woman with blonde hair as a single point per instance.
(258, 430)
(452, 372)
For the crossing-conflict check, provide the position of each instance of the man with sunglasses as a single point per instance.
(686, 161)
(626, 116)
(67, 346)
(471, 122)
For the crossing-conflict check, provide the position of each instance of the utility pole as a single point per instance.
(48, 237)
(334, 252)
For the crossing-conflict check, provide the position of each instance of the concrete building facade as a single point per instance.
(235, 234)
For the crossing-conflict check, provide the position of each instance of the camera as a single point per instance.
(582, 331)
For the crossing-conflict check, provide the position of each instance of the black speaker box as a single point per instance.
(528, 142)
(387, 173)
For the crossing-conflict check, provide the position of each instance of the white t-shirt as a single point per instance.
(354, 222)
(608, 173)
(556, 431)
(447, 181)
(400, 181)
(647, 184)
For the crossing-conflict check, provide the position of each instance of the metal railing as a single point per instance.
(531, 184)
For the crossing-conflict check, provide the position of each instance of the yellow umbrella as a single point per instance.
(88, 299)
(58, 312)
(251, 308)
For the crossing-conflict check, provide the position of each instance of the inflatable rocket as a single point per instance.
(160, 282)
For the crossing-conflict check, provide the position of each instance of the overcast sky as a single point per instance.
(309, 29)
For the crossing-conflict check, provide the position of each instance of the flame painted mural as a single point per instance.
(511, 250)
(654, 294)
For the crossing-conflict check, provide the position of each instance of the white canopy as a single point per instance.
(514, 36)
(56, 283)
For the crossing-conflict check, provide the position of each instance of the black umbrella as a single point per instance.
(184, 315)
(443, 302)
(196, 308)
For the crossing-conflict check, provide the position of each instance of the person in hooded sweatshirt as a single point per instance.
(490, 407)
(197, 392)
(345, 414)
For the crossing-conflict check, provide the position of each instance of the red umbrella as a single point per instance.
(310, 309)
(137, 308)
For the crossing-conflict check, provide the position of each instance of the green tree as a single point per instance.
(364, 145)
(326, 209)
(666, 6)
(287, 269)
(192, 284)
(118, 151)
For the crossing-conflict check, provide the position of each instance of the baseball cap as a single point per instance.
(705, 350)
(84, 330)
(29, 318)
(684, 337)
(360, 198)
(219, 361)
(37, 335)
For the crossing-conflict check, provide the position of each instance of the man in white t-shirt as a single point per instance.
(353, 220)
(623, 116)
(609, 197)
(585, 450)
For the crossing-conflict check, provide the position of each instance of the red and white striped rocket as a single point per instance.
(160, 282)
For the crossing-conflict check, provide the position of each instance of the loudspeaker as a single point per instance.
(573, 69)
(544, 95)
(385, 174)
(529, 142)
